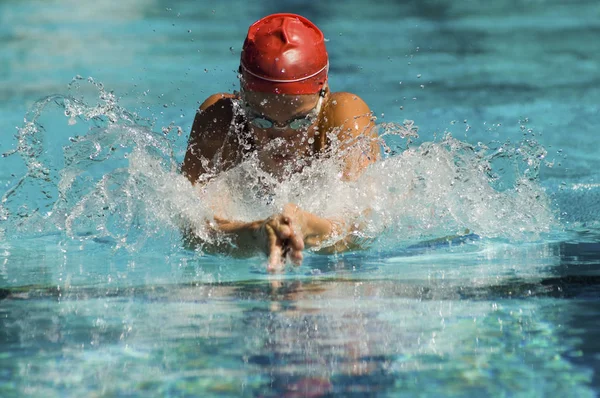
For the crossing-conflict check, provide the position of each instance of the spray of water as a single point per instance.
(118, 180)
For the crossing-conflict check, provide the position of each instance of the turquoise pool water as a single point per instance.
(99, 297)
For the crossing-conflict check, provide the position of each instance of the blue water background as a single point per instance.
(496, 318)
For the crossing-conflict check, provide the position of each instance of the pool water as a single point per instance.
(481, 276)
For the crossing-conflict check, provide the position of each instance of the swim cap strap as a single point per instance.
(268, 79)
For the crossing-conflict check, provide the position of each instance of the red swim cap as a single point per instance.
(284, 54)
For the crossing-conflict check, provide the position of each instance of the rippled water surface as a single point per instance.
(481, 275)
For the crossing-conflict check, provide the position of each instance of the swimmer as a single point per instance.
(284, 95)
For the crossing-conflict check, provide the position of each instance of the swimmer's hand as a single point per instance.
(275, 236)
(290, 232)
(284, 240)
(282, 236)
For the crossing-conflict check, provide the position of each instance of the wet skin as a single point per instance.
(288, 233)
(281, 143)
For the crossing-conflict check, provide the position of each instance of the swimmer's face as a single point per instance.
(283, 125)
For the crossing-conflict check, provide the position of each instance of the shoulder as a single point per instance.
(345, 97)
(219, 98)
(342, 105)
(214, 115)
(348, 117)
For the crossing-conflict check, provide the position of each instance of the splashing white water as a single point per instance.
(120, 181)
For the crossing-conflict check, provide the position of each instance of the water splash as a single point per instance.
(116, 179)
(447, 187)
(78, 177)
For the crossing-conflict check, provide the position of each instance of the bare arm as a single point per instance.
(348, 120)
(288, 233)
(208, 149)
(352, 120)
(209, 152)
(349, 117)
(296, 229)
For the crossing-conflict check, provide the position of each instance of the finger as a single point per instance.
(274, 250)
(295, 239)
(282, 228)
(290, 217)
(296, 257)
(285, 248)
(275, 264)
(292, 249)
(272, 246)
(288, 231)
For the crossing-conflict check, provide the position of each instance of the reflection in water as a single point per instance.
(281, 337)
(315, 346)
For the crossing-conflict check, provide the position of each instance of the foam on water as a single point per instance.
(117, 179)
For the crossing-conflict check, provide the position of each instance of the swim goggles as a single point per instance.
(297, 123)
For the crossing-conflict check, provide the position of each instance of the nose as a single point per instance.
(278, 126)
(280, 132)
